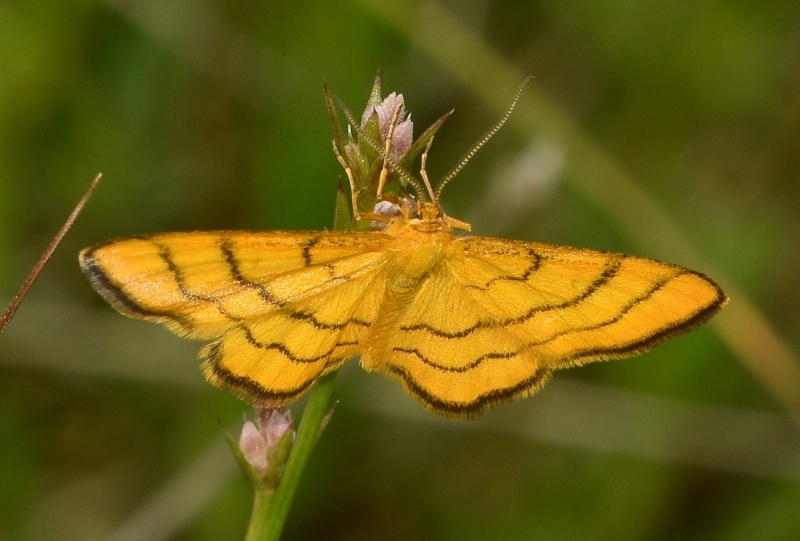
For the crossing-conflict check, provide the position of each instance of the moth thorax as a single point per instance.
(418, 255)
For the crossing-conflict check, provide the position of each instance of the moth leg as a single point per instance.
(423, 172)
(387, 148)
(354, 194)
(456, 223)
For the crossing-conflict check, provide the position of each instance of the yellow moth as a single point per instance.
(462, 322)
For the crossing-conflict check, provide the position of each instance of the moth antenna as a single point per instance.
(402, 173)
(485, 139)
(354, 192)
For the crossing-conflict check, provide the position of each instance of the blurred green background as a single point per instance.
(669, 129)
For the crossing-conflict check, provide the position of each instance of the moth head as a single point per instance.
(431, 211)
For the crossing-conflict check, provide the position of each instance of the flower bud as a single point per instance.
(254, 447)
(264, 446)
(279, 423)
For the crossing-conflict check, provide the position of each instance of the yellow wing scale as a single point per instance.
(317, 324)
(463, 323)
(265, 297)
(496, 317)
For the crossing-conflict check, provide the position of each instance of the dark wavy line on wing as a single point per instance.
(246, 387)
(607, 275)
(310, 243)
(165, 253)
(533, 267)
(475, 407)
(288, 353)
(115, 293)
(693, 320)
(227, 247)
(460, 369)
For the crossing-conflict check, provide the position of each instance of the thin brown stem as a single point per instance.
(37, 269)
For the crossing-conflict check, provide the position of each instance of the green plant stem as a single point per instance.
(271, 508)
(258, 519)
